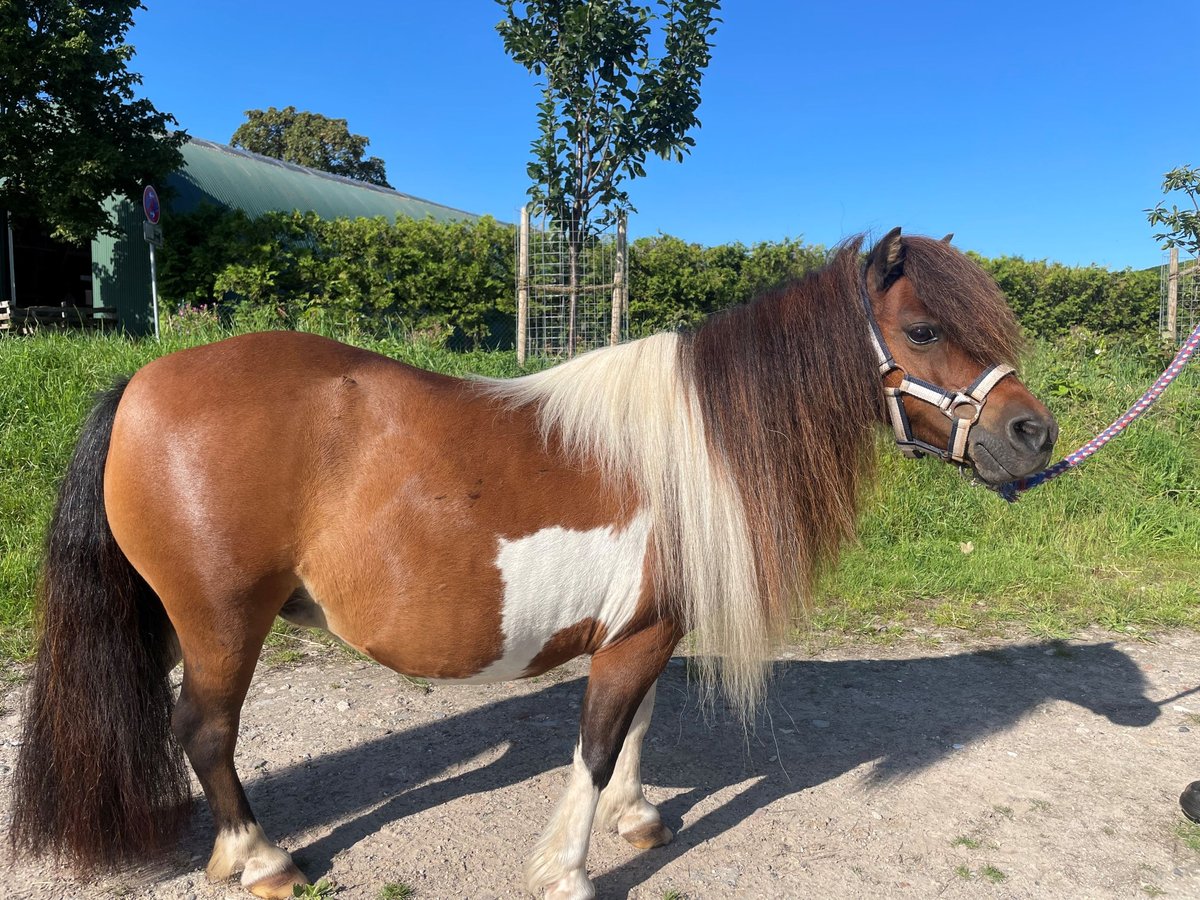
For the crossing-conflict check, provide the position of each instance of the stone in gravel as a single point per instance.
(343, 705)
(820, 723)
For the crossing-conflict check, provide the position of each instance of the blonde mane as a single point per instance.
(746, 442)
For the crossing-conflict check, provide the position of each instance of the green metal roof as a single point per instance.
(225, 176)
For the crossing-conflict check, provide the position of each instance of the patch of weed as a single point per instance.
(1061, 649)
(963, 841)
(421, 684)
(284, 657)
(1188, 834)
(319, 891)
(396, 890)
(992, 874)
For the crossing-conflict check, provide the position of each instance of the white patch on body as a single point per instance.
(556, 578)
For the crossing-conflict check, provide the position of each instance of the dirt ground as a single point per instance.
(990, 769)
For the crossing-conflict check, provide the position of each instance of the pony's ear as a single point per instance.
(886, 260)
(948, 238)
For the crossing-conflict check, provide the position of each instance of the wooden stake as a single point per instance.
(618, 291)
(522, 285)
(1173, 296)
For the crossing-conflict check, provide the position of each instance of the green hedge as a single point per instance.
(300, 268)
(673, 283)
(457, 280)
(1050, 299)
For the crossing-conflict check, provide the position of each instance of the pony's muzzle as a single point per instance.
(1033, 434)
(1018, 446)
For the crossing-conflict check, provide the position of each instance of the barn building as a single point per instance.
(108, 281)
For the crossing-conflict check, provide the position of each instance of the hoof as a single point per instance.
(652, 834)
(1189, 801)
(278, 886)
(574, 886)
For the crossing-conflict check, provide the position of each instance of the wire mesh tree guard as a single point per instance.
(1179, 303)
(564, 310)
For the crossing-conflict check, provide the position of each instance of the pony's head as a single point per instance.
(946, 343)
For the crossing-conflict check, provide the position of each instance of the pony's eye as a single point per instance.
(921, 333)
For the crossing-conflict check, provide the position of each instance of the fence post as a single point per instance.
(619, 297)
(522, 285)
(12, 263)
(1173, 296)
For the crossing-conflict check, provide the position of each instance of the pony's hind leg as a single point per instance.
(623, 806)
(219, 655)
(621, 676)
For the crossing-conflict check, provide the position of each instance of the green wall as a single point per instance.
(121, 269)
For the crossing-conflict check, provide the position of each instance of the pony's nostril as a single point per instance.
(1032, 433)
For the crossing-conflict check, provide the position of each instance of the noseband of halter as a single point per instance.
(962, 408)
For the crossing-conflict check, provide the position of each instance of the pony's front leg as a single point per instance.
(623, 806)
(622, 675)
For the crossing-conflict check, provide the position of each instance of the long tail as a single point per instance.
(100, 780)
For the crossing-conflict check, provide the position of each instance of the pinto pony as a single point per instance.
(481, 531)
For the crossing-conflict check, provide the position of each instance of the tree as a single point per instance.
(606, 103)
(1181, 226)
(309, 139)
(71, 132)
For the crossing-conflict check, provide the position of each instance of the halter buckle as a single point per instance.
(963, 402)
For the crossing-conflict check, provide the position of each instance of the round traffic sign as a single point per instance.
(150, 205)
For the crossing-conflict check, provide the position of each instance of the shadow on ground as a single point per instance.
(823, 719)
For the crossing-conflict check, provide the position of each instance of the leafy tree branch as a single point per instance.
(1180, 227)
(72, 133)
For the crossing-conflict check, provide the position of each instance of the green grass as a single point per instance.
(963, 841)
(1116, 545)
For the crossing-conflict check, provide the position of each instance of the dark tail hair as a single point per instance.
(100, 779)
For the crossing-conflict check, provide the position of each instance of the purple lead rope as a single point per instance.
(1012, 490)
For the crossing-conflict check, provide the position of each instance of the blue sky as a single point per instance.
(1041, 130)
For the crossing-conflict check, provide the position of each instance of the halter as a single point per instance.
(963, 408)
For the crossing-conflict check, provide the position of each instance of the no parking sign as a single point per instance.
(150, 205)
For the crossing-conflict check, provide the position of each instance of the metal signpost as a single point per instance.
(152, 232)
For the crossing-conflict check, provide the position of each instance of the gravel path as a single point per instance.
(994, 769)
